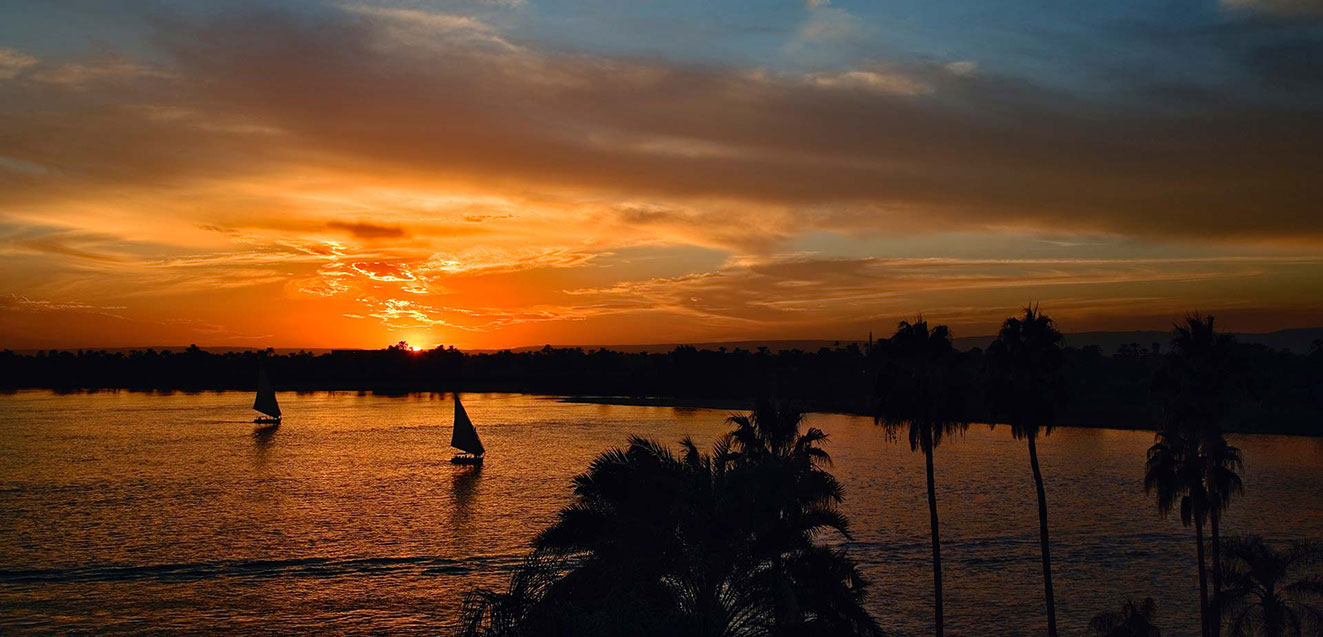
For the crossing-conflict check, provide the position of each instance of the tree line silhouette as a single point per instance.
(1283, 390)
(725, 543)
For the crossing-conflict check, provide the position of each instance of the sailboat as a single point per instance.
(465, 438)
(266, 402)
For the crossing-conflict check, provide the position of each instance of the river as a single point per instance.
(143, 512)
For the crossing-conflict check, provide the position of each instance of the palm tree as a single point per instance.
(919, 389)
(1272, 591)
(790, 497)
(1026, 383)
(1174, 472)
(1197, 385)
(1133, 620)
(694, 544)
(1222, 466)
(1196, 381)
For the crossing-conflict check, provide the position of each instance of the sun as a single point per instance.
(415, 348)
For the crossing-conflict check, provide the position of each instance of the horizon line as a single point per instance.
(608, 346)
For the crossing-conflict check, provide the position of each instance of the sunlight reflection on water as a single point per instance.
(134, 511)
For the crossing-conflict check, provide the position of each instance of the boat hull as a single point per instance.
(466, 459)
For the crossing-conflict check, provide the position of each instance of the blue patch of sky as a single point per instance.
(1114, 52)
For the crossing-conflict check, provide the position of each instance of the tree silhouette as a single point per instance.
(694, 544)
(1025, 384)
(1133, 620)
(920, 388)
(1222, 466)
(1271, 591)
(1197, 386)
(1174, 472)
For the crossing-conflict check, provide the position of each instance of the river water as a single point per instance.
(140, 512)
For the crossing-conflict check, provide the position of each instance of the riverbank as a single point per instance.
(1284, 391)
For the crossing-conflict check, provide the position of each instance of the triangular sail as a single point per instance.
(266, 396)
(465, 437)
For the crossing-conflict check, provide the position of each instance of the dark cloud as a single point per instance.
(364, 230)
(1292, 8)
(421, 97)
(977, 150)
(1293, 65)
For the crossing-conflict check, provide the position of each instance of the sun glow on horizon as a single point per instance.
(494, 190)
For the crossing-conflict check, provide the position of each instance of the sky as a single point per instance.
(501, 173)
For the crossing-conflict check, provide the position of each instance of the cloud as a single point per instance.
(14, 62)
(871, 81)
(386, 272)
(486, 261)
(1278, 7)
(828, 25)
(963, 68)
(782, 294)
(23, 167)
(80, 248)
(365, 230)
(83, 76)
(419, 28)
(980, 151)
(485, 218)
(403, 314)
(18, 303)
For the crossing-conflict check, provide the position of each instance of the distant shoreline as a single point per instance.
(1100, 390)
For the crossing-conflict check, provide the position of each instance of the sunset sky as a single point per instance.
(516, 172)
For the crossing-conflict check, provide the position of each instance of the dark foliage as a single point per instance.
(695, 544)
(1283, 392)
(1272, 591)
(1135, 619)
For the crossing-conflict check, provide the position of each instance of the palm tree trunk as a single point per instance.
(1203, 576)
(1272, 614)
(1043, 541)
(936, 542)
(1214, 612)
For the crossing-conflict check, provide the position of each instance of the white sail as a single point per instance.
(266, 396)
(465, 437)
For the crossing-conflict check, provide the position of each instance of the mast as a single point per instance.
(465, 437)
(266, 396)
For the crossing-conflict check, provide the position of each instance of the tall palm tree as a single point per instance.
(1133, 620)
(920, 389)
(1174, 472)
(1196, 380)
(1272, 591)
(1222, 467)
(1026, 383)
(1198, 386)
